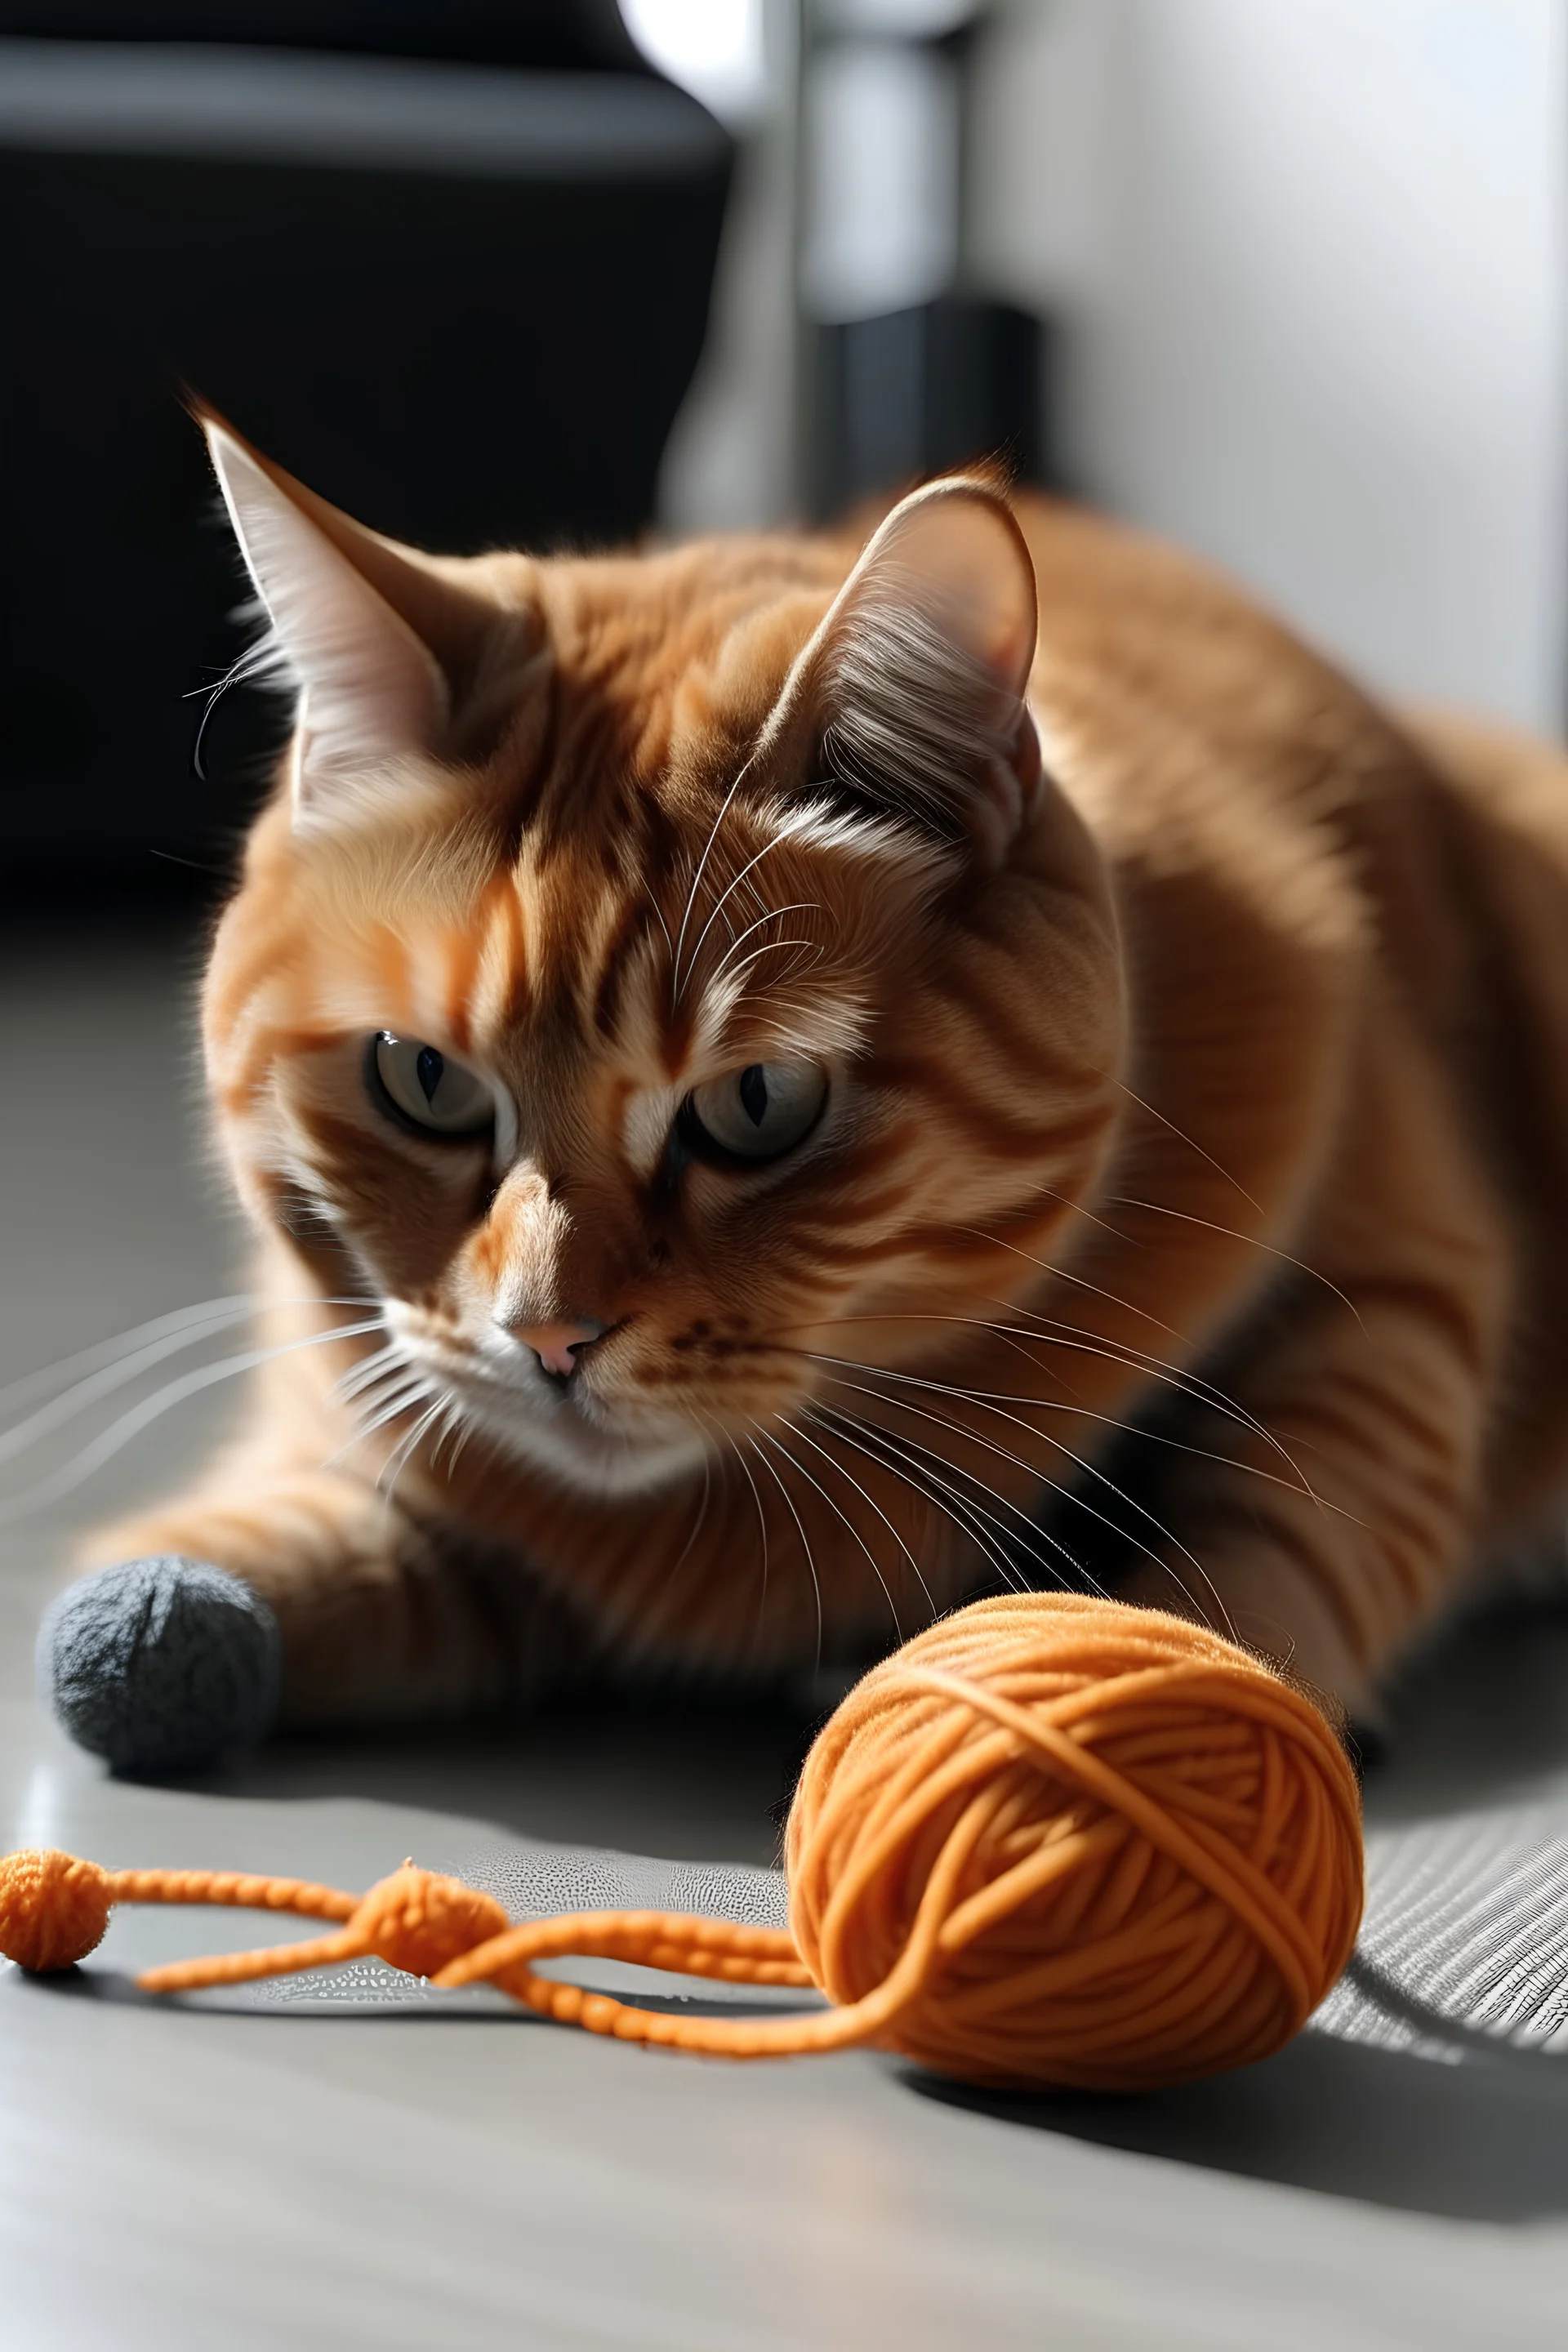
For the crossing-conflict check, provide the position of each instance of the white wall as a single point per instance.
(733, 462)
(1313, 255)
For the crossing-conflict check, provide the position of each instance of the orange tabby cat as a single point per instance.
(803, 1043)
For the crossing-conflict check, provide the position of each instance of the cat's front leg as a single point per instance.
(1324, 1514)
(381, 1614)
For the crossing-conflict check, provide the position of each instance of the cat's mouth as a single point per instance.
(576, 1441)
(575, 1436)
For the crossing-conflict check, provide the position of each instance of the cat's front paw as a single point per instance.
(160, 1665)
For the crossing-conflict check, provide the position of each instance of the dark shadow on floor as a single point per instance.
(1481, 1712)
(688, 1777)
(305, 2002)
(93, 1982)
(1483, 2139)
(700, 1774)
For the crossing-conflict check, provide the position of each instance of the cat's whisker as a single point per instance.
(1042, 1339)
(1060, 1273)
(443, 1432)
(255, 662)
(412, 1389)
(213, 1312)
(755, 894)
(1156, 1207)
(119, 1433)
(987, 1405)
(658, 917)
(380, 1415)
(761, 1531)
(451, 1424)
(685, 1552)
(1076, 1501)
(769, 947)
(842, 1516)
(438, 1420)
(363, 1377)
(774, 841)
(1075, 1342)
(397, 1461)
(167, 1336)
(126, 1358)
(933, 1487)
(770, 915)
(372, 1411)
(1189, 1384)
(990, 1398)
(1191, 1141)
(458, 1430)
(1112, 1299)
(475, 1432)
(1180, 1380)
(364, 1398)
(1065, 1334)
(943, 1473)
(464, 1430)
(1080, 1208)
(869, 1499)
(84, 1393)
(389, 1364)
(1313, 1274)
(1215, 1399)
(724, 807)
(1031, 1534)
(1027, 1345)
(800, 1530)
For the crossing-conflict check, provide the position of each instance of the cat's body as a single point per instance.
(1215, 1074)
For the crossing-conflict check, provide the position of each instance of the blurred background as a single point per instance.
(1284, 278)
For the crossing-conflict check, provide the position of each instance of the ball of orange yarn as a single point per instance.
(53, 1908)
(1077, 1843)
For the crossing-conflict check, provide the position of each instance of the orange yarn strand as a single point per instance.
(243, 1894)
(1052, 1840)
(230, 1888)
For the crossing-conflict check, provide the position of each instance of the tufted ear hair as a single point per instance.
(915, 680)
(390, 654)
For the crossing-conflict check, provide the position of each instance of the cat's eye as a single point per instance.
(420, 1086)
(757, 1113)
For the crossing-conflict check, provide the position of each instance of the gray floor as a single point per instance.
(354, 2164)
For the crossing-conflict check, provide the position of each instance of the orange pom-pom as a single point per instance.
(1077, 1843)
(416, 1920)
(53, 1908)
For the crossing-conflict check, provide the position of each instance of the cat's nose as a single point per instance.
(556, 1344)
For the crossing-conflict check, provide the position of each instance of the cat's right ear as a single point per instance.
(384, 650)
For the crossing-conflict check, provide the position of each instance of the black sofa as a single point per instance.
(449, 261)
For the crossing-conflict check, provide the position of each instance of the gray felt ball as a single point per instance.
(161, 1664)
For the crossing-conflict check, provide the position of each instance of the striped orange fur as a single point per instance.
(1192, 1033)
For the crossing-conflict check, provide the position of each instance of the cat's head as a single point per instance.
(670, 983)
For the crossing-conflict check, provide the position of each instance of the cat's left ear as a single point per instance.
(914, 684)
(392, 654)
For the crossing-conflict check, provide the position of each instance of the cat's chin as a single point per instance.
(578, 1453)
